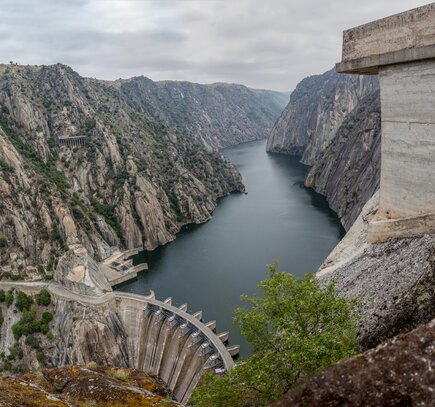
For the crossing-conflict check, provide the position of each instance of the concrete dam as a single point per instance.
(168, 342)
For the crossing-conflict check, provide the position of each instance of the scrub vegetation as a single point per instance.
(296, 327)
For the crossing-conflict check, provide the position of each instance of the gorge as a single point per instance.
(89, 168)
(211, 265)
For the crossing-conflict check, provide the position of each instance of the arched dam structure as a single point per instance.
(166, 341)
(401, 50)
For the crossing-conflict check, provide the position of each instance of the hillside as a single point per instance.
(128, 180)
(217, 115)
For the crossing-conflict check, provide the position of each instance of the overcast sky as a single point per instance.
(269, 44)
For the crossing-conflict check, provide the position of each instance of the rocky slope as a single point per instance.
(77, 386)
(216, 116)
(396, 373)
(129, 180)
(393, 281)
(333, 123)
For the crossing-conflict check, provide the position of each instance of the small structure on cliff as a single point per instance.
(401, 50)
(73, 141)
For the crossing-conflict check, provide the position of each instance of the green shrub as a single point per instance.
(9, 298)
(297, 327)
(19, 369)
(47, 317)
(40, 357)
(26, 325)
(2, 296)
(15, 352)
(3, 241)
(32, 341)
(43, 298)
(23, 301)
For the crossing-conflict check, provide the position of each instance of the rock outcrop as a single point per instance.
(347, 172)
(127, 180)
(393, 281)
(333, 123)
(77, 386)
(397, 373)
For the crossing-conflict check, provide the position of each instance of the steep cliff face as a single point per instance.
(317, 108)
(127, 181)
(347, 172)
(215, 116)
(333, 123)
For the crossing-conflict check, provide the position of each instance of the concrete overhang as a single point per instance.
(401, 38)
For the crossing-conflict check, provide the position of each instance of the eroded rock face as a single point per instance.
(130, 182)
(347, 172)
(333, 123)
(77, 386)
(397, 373)
(393, 281)
(87, 334)
(318, 106)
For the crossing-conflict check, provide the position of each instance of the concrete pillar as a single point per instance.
(401, 50)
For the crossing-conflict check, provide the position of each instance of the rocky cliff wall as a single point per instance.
(347, 172)
(130, 182)
(333, 123)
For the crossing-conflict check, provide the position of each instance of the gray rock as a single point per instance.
(394, 281)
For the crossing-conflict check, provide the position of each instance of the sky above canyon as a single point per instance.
(270, 44)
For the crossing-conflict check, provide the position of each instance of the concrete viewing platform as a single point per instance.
(401, 50)
(118, 268)
(403, 37)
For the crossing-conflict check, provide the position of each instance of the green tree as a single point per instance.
(2, 296)
(23, 301)
(43, 298)
(9, 298)
(295, 328)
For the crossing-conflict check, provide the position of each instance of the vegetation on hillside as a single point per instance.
(295, 328)
(31, 332)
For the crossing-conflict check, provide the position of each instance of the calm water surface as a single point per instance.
(209, 266)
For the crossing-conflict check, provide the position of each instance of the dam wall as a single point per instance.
(166, 341)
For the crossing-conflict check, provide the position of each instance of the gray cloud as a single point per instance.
(261, 43)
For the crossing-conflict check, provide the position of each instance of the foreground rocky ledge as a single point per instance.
(83, 386)
(399, 372)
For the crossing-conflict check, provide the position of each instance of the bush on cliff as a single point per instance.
(24, 301)
(43, 298)
(295, 328)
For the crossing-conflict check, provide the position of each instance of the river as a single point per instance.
(209, 266)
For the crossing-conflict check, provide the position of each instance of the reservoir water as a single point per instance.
(209, 266)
